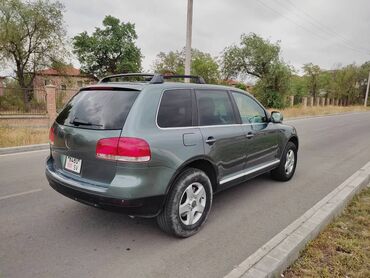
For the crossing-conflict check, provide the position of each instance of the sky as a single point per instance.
(327, 33)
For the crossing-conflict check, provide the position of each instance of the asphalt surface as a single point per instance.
(44, 234)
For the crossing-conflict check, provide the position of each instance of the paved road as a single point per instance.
(43, 234)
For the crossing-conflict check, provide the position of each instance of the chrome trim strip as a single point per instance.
(251, 171)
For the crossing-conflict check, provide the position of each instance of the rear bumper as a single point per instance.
(145, 207)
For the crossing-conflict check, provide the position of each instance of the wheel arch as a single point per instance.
(294, 140)
(200, 162)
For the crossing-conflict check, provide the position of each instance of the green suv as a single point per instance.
(153, 148)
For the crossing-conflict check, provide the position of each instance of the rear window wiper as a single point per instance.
(78, 122)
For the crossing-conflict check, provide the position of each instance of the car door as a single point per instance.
(223, 137)
(261, 137)
(178, 133)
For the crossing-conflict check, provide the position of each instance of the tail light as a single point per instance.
(128, 149)
(51, 135)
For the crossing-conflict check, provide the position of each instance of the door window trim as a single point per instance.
(193, 116)
(256, 101)
(231, 102)
(195, 111)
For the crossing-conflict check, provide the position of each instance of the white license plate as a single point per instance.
(73, 164)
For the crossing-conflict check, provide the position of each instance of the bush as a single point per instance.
(11, 101)
(271, 99)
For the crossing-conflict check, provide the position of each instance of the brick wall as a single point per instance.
(24, 121)
(2, 85)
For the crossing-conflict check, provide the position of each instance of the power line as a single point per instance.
(304, 27)
(325, 28)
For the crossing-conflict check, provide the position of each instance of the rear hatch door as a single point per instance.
(90, 116)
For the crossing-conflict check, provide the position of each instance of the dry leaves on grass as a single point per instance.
(299, 111)
(342, 249)
(10, 137)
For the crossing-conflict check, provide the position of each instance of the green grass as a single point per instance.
(342, 249)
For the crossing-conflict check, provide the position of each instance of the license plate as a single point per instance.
(73, 164)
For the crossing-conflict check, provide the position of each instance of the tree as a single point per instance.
(272, 88)
(312, 72)
(298, 86)
(363, 77)
(32, 36)
(109, 50)
(254, 57)
(260, 59)
(202, 64)
(344, 83)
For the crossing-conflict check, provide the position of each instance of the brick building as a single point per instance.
(67, 81)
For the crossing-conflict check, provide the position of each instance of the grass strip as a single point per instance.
(342, 249)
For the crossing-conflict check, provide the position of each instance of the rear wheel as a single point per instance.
(188, 204)
(287, 165)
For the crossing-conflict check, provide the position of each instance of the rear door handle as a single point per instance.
(210, 140)
(249, 135)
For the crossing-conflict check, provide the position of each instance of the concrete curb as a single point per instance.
(20, 149)
(325, 115)
(283, 249)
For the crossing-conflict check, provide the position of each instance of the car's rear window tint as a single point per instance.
(98, 109)
(175, 109)
(214, 108)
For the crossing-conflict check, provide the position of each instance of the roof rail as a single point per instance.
(152, 78)
(108, 78)
(198, 79)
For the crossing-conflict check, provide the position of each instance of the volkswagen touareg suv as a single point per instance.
(141, 144)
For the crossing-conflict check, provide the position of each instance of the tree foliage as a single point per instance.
(108, 50)
(346, 83)
(32, 36)
(254, 56)
(260, 59)
(202, 64)
(312, 73)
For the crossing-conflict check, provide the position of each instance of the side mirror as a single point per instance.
(276, 117)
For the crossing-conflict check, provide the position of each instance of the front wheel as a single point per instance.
(188, 204)
(287, 165)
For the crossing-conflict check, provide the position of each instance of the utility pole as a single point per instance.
(189, 26)
(367, 90)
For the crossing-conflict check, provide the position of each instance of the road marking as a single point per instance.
(20, 194)
(27, 152)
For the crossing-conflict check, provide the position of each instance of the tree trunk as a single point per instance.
(24, 88)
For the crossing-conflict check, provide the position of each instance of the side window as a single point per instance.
(214, 108)
(175, 109)
(250, 110)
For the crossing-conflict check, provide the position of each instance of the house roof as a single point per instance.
(65, 71)
(231, 81)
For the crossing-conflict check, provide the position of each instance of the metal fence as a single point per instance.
(62, 96)
(15, 101)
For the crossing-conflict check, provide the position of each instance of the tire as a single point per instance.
(191, 192)
(283, 172)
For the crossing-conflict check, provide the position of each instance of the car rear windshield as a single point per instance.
(101, 109)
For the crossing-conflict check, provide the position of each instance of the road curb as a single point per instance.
(283, 249)
(20, 149)
(325, 115)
